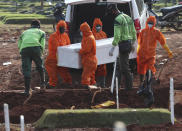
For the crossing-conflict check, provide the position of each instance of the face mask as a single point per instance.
(61, 30)
(150, 25)
(98, 28)
(81, 33)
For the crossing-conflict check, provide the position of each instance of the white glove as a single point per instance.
(77, 50)
(111, 51)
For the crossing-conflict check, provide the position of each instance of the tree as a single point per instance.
(42, 4)
(16, 3)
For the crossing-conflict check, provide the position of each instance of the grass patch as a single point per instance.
(98, 118)
(9, 18)
(25, 12)
(27, 20)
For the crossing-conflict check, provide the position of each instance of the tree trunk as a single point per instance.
(166, 3)
(16, 6)
(42, 4)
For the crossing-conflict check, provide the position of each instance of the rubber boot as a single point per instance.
(142, 85)
(27, 86)
(148, 91)
(42, 79)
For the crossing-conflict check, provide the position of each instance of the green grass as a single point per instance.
(9, 14)
(98, 118)
(10, 18)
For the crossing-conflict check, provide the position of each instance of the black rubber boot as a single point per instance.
(142, 85)
(27, 86)
(148, 91)
(42, 79)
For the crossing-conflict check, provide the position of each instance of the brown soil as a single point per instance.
(11, 79)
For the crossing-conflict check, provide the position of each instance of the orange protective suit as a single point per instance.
(101, 69)
(57, 39)
(147, 43)
(88, 55)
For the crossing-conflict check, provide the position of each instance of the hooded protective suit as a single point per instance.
(101, 69)
(88, 55)
(57, 39)
(147, 43)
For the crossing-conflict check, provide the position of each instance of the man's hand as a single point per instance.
(111, 51)
(77, 50)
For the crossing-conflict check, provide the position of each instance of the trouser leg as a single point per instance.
(149, 91)
(52, 71)
(27, 81)
(26, 67)
(65, 75)
(125, 70)
(118, 71)
(86, 77)
(36, 57)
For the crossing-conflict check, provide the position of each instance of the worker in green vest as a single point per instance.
(124, 37)
(31, 45)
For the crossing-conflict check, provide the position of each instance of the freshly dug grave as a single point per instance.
(38, 103)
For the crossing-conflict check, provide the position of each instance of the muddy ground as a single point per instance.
(11, 79)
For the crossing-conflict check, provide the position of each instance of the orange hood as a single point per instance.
(97, 21)
(153, 19)
(61, 23)
(85, 29)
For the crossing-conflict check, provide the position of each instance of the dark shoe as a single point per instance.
(26, 93)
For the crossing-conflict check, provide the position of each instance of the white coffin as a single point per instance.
(68, 57)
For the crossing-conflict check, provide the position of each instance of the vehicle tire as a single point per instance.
(177, 24)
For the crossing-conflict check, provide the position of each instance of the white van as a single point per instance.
(79, 11)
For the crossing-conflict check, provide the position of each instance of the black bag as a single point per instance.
(125, 46)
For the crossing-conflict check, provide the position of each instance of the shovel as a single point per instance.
(157, 81)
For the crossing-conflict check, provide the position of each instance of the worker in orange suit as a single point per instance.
(147, 43)
(58, 38)
(88, 55)
(101, 69)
